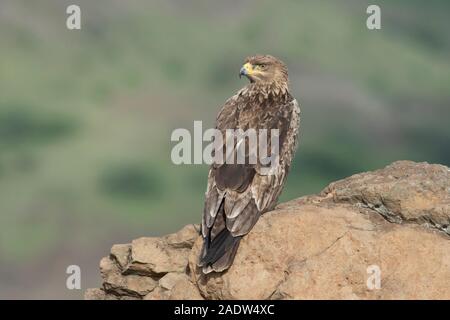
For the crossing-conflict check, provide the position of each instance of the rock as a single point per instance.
(121, 253)
(169, 280)
(158, 256)
(151, 256)
(184, 238)
(184, 289)
(94, 294)
(124, 285)
(148, 268)
(175, 286)
(392, 222)
(157, 294)
(402, 192)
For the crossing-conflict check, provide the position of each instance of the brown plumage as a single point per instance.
(238, 194)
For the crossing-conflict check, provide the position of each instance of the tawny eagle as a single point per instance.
(238, 194)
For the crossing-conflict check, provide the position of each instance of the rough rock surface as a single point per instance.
(393, 222)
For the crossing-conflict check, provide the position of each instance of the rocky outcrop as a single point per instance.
(149, 268)
(375, 235)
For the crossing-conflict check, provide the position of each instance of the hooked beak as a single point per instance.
(246, 70)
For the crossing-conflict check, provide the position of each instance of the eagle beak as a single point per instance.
(246, 70)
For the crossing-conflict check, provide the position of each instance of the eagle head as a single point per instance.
(265, 70)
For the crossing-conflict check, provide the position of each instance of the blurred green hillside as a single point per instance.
(86, 116)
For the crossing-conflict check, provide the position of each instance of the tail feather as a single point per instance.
(218, 254)
(219, 245)
(225, 261)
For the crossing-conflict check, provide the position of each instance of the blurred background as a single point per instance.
(86, 116)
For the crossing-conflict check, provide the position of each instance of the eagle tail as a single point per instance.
(218, 254)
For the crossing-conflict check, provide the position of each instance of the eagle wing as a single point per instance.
(237, 194)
